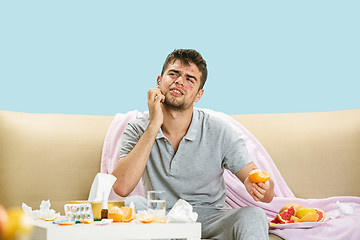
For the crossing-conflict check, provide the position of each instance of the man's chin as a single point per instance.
(175, 106)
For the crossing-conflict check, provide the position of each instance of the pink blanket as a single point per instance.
(337, 225)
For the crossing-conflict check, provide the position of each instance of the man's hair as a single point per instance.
(187, 56)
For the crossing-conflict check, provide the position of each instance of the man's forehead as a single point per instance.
(179, 65)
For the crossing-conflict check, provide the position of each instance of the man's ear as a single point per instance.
(199, 95)
(158, 81)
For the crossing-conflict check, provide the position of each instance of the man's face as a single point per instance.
(180, 85)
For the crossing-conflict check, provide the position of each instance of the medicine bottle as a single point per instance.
(104, 207)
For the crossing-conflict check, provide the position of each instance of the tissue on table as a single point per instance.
(44, 212)
(182, 212)
(101, 185)
(100, 188)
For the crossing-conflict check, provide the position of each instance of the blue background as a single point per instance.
(101, 57)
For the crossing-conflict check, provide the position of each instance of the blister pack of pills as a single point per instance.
(79, 212)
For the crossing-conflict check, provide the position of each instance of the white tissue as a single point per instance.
(43, 212)
(182, 212)
(345, 208)
(101, 185)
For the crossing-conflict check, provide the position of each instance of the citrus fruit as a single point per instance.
(259, 176)
(4, 219)
(301, 212)
(87, 221)
(19, 224)
(285, 216)
(65, 223)
(286, 206)
(310, 217)
(147, 218)
(321, 214)
(49, 218)
(123, 214)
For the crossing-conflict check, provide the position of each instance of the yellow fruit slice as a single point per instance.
(301, 212)
(310, 217)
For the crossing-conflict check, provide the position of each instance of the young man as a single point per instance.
(184, 151)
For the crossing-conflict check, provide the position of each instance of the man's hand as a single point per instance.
(155, 100)
(263, 192)
(260, 191)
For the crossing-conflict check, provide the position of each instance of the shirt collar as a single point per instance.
(192, 131)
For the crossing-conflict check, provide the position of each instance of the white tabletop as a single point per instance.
(114, 231)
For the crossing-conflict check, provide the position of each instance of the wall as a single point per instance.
(101, 57)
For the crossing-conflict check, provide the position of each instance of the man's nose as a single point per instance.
(180, 80)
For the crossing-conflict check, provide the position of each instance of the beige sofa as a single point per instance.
(56, 156)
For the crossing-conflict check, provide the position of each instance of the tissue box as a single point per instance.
(96, 206)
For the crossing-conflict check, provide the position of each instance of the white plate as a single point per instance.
(296, 225)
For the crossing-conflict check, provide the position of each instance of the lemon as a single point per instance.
(301, 212)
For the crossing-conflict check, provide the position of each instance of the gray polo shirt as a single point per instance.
(194, 172)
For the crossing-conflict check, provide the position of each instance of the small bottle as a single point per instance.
(104, 207)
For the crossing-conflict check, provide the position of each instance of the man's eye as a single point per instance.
(190, 80)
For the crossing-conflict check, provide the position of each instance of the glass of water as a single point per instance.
(156, 203)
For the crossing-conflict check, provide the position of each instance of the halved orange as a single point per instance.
(259, 176)
(123, 214)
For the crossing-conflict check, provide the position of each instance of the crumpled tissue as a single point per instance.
(182, 212)
(344, 209)
(101, 186)
(44, 212)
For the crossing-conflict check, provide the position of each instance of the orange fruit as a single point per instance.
(147, 218)
(286, 206)
(123, 214)
(259, 176)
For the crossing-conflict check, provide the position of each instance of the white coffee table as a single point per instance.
(114, 231)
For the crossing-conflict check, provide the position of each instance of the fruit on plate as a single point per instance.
(259, 176)
(295, 213)
(123, 214)
(301, 212)
(285, 216)
(321, 214)
(286, 206)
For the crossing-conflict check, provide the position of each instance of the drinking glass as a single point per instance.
(156, 203)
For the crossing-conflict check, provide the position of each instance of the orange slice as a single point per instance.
(64, 223)
(49, 218)
(259, 176)
(147, 218)
(123, 214)
(87, 221)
